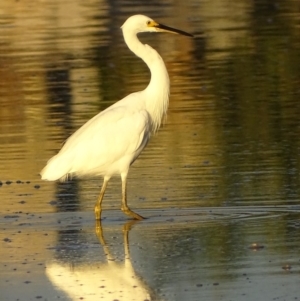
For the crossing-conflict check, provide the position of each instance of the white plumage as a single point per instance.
(112, 140)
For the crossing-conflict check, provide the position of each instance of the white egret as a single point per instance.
(112, 140)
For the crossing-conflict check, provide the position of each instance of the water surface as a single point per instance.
(221, 175)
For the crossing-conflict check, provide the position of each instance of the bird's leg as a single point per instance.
(99, 233)
(98, 208)
(124, 206)
(126, 229)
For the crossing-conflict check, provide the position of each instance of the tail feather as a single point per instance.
(56, 169)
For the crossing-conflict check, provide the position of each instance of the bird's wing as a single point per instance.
(114, 135)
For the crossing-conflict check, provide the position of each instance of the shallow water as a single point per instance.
(221, 175)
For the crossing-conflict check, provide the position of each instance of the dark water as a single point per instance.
(222, 175)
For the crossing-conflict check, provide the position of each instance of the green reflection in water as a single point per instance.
(257, 93)
(231, 139)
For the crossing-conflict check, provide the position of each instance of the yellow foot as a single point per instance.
(131, 213)
(127, 226)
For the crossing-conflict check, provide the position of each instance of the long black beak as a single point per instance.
(162, 27)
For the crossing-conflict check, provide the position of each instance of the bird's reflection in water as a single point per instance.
(104, 281)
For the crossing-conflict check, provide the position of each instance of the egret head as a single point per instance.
(140, 23)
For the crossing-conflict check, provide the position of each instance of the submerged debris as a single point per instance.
(287, 267)
(256, 246)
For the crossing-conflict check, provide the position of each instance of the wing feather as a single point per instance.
(111, 140)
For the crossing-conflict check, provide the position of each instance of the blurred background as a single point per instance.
(229, 147)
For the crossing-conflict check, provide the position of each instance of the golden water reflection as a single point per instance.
(107, 281)
(232, 128)
(230, 142)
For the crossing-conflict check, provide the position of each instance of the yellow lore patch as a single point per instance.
(152, 24)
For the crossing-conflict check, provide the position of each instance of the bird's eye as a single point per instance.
(148, 22)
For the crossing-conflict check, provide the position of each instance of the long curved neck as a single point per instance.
(157, 92)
